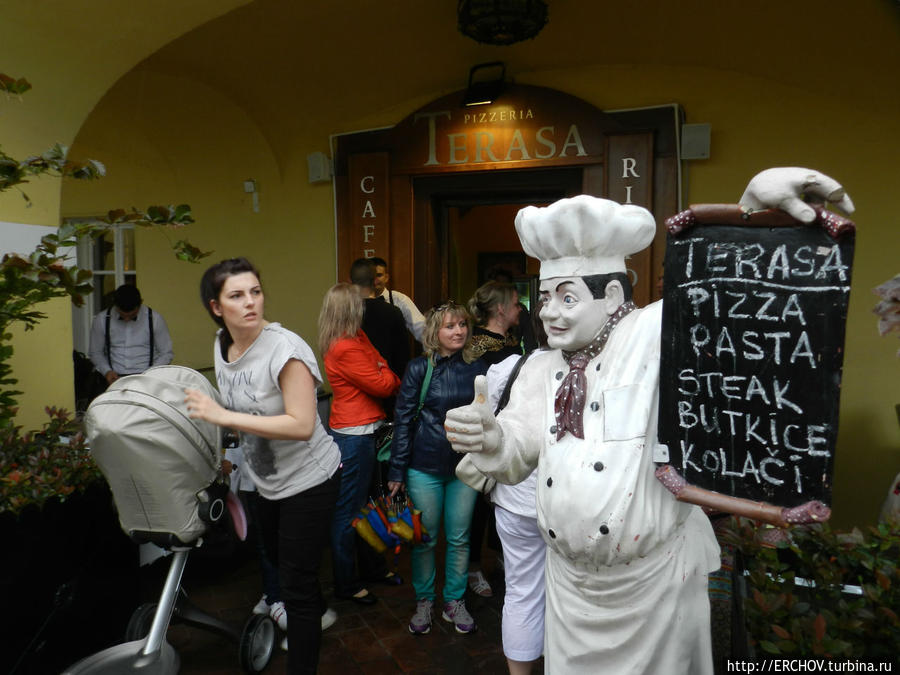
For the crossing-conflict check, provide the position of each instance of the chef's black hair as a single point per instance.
(597, 283)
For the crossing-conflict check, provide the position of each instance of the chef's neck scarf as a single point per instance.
(571, 394)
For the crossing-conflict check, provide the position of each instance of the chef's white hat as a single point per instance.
(584, 235)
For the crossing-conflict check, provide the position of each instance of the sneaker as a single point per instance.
(420, 623)
(455, 611)
(279, 614)
(479, 585)
(328, 618)
(261, 607)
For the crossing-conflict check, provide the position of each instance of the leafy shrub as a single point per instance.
(786, 616)
(39, 465)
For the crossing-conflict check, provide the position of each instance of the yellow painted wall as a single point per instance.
(71, 53)
(200, 151)
(169, 138)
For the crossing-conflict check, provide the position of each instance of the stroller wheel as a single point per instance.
(257, 643)
(140, 622)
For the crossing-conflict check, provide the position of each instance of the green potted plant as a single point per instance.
(816, 592)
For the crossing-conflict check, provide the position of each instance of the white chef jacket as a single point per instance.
(626, 562)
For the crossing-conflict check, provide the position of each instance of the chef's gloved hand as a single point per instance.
(473, 427)
(792, 189)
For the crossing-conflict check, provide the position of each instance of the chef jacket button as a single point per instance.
(559, 375)
(598, 365)
(549, 482)
(552, 534)
(603, 529)
(553, 429)
(595, 406)
(598, 466)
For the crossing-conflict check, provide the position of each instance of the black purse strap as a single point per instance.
(504, 397)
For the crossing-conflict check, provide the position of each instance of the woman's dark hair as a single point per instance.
(597, 283)
(211, 287)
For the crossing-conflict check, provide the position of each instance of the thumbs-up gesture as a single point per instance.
(473, 427)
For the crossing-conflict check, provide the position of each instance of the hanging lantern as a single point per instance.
(501, 22)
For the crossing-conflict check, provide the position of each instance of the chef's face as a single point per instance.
(571, 315)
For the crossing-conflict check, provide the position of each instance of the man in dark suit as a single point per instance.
(382, 323)
(385, 327)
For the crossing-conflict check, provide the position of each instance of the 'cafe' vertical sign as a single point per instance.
(369, 176)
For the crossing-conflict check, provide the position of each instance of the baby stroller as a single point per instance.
(164, 470)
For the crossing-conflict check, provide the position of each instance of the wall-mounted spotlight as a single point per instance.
(487, 86)
(251, 189)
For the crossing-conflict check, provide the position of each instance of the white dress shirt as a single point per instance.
(129, 349)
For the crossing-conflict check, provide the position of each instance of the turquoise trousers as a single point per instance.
(447, 499)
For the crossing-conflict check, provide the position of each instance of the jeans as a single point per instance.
(357, 459)
(447, 498)
(296, 533)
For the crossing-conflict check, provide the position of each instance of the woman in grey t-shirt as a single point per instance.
(267, 376)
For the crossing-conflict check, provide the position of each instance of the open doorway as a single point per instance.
(482, 245)
(465, 230)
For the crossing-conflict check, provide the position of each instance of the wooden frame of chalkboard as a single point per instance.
(754, 314)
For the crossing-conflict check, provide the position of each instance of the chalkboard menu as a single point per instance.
(754, 310)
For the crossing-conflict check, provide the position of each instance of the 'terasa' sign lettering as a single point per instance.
(526, 127)
(464, 147)
(752, 350)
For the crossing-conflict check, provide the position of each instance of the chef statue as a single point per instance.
(627, 564)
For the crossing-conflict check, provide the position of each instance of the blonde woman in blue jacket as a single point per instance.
(423, 461)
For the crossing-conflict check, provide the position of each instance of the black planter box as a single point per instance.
(68, 579)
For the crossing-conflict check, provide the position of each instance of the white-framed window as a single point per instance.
(111, 258)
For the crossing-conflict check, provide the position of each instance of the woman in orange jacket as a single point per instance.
(360, 379)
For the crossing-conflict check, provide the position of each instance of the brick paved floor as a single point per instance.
(365, 639)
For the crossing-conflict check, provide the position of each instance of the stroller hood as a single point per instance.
(159, 463)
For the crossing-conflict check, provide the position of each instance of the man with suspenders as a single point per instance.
(129, 337)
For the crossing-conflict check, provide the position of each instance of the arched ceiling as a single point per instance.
(73, 53)
(277, 59)
(342, 54)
